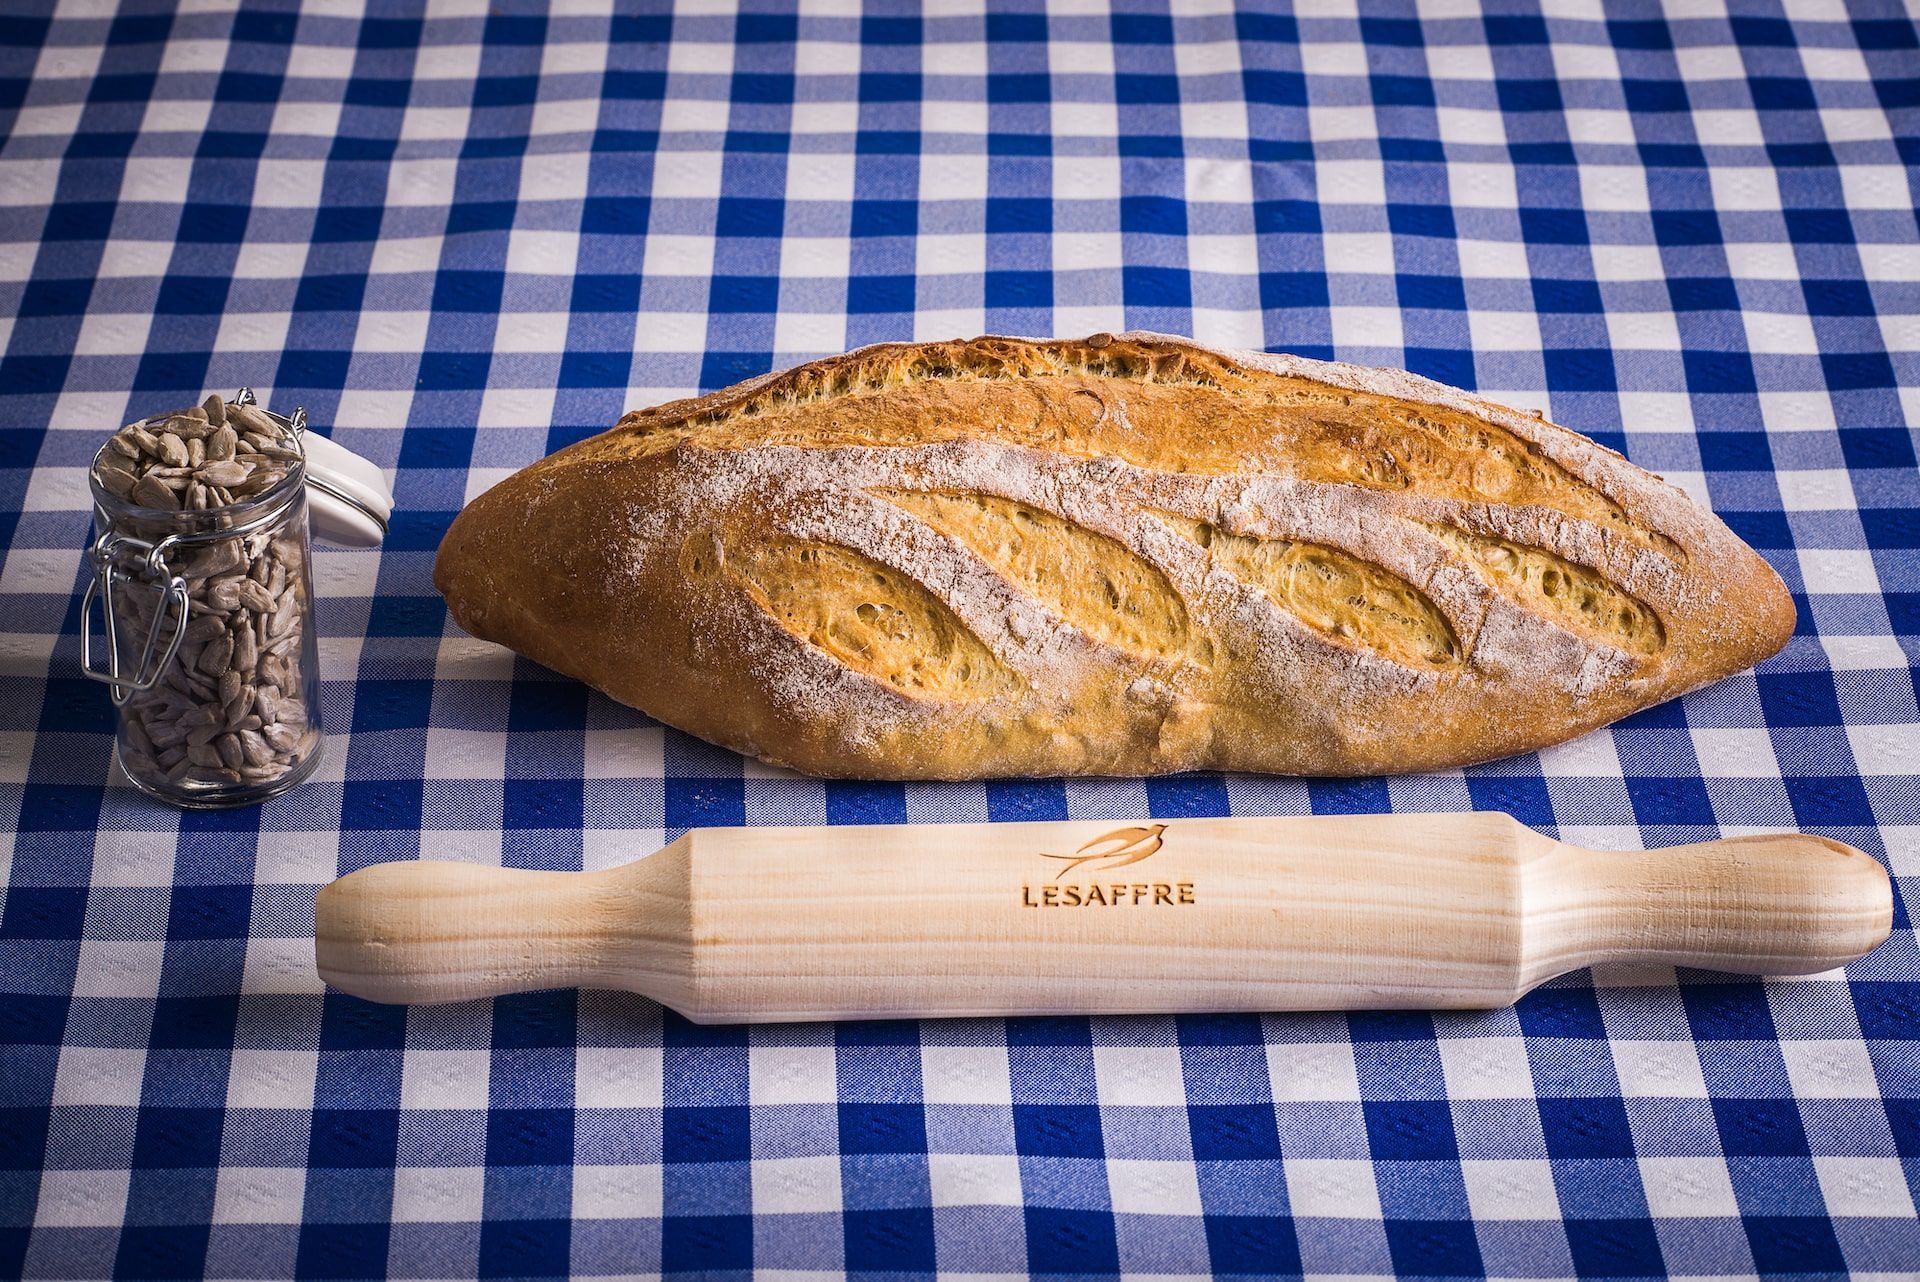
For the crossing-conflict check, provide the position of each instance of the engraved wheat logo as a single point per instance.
(1118, 848)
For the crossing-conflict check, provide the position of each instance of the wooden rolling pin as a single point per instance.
(1098, 917)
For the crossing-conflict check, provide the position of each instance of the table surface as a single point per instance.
(466, 239)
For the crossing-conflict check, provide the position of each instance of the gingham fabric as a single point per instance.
(466, 237)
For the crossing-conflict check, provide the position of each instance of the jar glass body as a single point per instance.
(210, 640)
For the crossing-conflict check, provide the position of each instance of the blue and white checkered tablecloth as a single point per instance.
(464, 238)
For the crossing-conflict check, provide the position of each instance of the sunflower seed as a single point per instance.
(214, 658)
(225, 472)
(116, 482)
(152, 493)
(246, 649)
(254, 596)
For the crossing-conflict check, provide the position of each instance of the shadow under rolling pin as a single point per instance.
(1080, 918)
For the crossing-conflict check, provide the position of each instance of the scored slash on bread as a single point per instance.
(1119, 555)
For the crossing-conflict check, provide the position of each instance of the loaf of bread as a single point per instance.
(1124, 556)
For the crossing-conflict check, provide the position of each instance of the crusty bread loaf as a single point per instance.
(1125, 555)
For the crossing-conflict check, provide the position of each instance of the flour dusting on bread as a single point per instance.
(1119, 555)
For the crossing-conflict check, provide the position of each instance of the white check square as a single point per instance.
(81, 1199)
(629, 752)
(792, 1075)
(1686, 1188)
(254, 332)
(1627, 262)
(444, 1079)
(439, 1195)
(1493, 260)
(1816, 490)
(33, 182)
(1797, 411)
(1646, 331)
(1332, 1188)
(1153, 1187)
(447, 62)
(617, 1077)
(528, 407)
(799, 336)
(974, 1179)
(391, 331)
(1482, 185)
(279, 1079)
(1486, 1067)
(1614, 188)
(99, 1076)
(1302, 1071)
(966, 1075)
(259, 1195)
(1472, 127)
(119, 968)
(1763, 260)
(398, 255)
(1504, 331)
(1830, 1069)
(617, 1192)
(1657, 411)
(1585, 60)
(542, 253)
(1738, 188)
(1735, 754)
(1351, 182)
(1876, 187)
(1869, 1187)
(1139, 1075)
(266, 260)
(793, 1185)
(435, 124)
(821, 257)
(1366, 327)
(36, 571)
(155, 179)
(1880, 751)
(1783, 333)
(1511, 1190)
(1845, 571)
(465, 754)
(1658, 1070)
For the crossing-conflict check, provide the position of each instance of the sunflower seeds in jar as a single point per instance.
(201, 562)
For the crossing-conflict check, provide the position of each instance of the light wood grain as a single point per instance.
(1439, 911)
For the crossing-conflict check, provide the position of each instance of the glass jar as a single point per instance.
(208, 645)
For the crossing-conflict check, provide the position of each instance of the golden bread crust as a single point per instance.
(1129, 556)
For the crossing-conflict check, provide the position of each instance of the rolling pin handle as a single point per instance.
(1784, 904)
(431, 932)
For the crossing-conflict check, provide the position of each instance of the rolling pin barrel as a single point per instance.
(1378, 911)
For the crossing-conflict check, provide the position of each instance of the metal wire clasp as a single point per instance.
(295, 427)
(120, 560)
